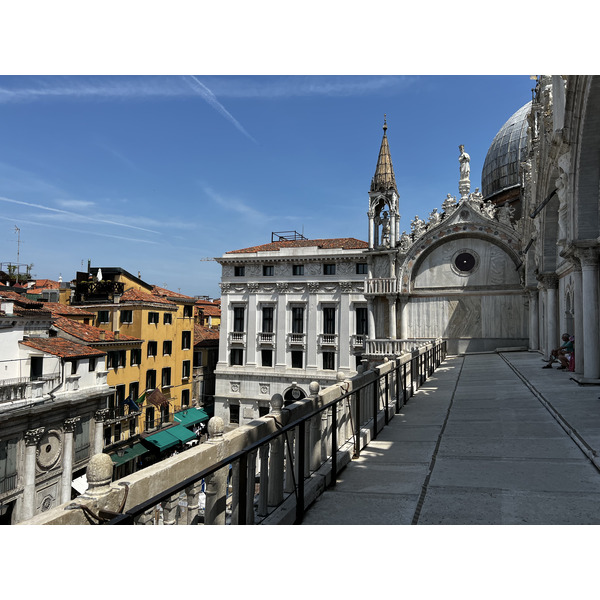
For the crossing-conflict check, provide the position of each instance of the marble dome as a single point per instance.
(501, 167)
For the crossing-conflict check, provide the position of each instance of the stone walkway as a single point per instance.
(488, 439)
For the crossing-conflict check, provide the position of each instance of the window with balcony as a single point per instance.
(188, 312)
(107, 436)
(164, 413)
(297, 269)
(149, 418)
(120, 399)
(236, 356)
(329, 361)
(132, 427)
(134, 391)
(153, 318)
(92, 364)
(362, 269)
(126, 317)
(297, 359)
(329, 269)
(329, 320)
(150, 379)
(117, 432)
(239, 271)
(103, 316)
(268, 270)
(185, 369)
(168, 319)
(361, 320)
(267, 319)
(267, 358)
(186, 340)
(166, 377)
(167, 348)
(152, 348)
(238, 319)
(297, 319)
(185, 398)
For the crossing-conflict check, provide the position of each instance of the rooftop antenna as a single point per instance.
(18, 232)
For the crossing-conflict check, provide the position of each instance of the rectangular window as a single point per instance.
(167, 348)
(297, 359)
(126, 316)
(117, 432)
(185, 398)
(188, 312)
(37, 367)
(328, 269)
(164, 413)
(152, 348)
(239, 271)
(236, 356)
(150, 379)
(197, 358)
(8, 465)
(107, 435)
(361, 321)
(136, 356)
(234, 413)
(297, 319)
(132, 427)
(166, 377)
(297, 269)
(329, 361)
(120, 399)
(362, 269)
(167, 318)
(267, 319)
(185, 369)
(74, 364)
(153, 318)
(186, 340)
(103, 316)
(122, 358)
(268, 270)
(150, 418)
(267, 358)
(92, 364)
(134, 392)
(329, 320)
(238, 319)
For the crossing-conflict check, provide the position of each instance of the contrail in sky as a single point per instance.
(74, 214)
(212, 100)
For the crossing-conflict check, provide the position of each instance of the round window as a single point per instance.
(465, 262)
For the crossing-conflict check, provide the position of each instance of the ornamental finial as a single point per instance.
(384, 122)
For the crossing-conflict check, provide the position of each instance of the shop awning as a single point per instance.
(163, 440)
(190, 417)
(129, 454)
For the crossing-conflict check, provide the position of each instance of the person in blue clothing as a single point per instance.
(562, 354)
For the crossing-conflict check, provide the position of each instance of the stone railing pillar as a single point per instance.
(193, 502)
(170, 510)
(251, 488)
(67, 467)
(216, 484)
(100, 417)
(263, 492)
(146, 518)
(32, 438)
(276, 457)
(289, 462)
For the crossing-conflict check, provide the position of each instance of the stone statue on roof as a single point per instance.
(464, 160)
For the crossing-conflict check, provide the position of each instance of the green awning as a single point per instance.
(190, 417)
(129, 454)
(163, 440)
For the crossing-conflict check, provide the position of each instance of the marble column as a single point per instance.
(591, 342)
(552, 332)
(282, 330)
(193, 501)
(371, 315)
(578, 317)
(311, 327)
(403, 307)
(534, 342)
(67, 466)
(100, 417)
(32, 438)
(371, 215)
(344, 327)
(392, 313)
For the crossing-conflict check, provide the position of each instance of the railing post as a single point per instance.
(357, 424)
(334, 443)
(301, 443)
(216, 483)
(375, 404)
(263, 492)
(250, 487)
(193, 501)
(276, 457)
(290, 461)
(170, 510)
(387, 398)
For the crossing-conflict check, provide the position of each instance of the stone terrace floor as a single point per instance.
(480, 443)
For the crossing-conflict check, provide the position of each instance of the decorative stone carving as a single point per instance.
(434, 217)
(313, 286)
(346, 286)
(562, 187)
(70, 424)
(265, 388)
(101, 415)
(33, 436)
(505, 214)
(49, 450)
(488, 209)
(225, 287)
(253, 286)
(313, 269)
(282, 286)
(235, 387)
(449, 204)
(464, 184)
(405, 242)
(417, 227)
(385, 229)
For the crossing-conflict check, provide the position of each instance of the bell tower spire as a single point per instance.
(384, 219)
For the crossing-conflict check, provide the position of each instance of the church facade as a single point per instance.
(513, 266)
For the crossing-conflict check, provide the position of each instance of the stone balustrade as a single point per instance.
(276, 459)
(382, 285)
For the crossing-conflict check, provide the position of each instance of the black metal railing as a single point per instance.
(348, 419)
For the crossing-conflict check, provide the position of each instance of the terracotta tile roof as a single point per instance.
(56, 308)
(89, 333)
(21, 299)
(210, 309)
(45, 284)
(61, 347)
(205, 334)
(341, 243)
(158, 291)
(133, 295)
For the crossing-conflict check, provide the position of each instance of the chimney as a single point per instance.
(117, 335)
(102, 334)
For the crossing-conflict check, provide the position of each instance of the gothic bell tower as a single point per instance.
(384, 218)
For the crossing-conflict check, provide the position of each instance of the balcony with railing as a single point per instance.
(327, 340)
(389, 348)
(23, 389)
(237, 338)
(382, 285)
(267, 472)
(297, 340)
(266, 338)
(357, 341)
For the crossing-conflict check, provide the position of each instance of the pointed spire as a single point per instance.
(384, 178)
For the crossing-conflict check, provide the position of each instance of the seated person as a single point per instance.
(558, 353)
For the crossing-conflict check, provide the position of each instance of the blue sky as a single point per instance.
(154, 173)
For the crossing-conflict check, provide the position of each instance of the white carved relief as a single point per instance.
(313, 269)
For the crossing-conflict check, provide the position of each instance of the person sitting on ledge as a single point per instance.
(563, 354)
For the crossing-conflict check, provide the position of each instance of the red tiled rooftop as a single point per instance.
(56, 308)
(159, 291)
(45, 284)
(21, 299)
(133, 295)
(324, 244)
(61, 347)
(89, 333)
(210, 309)
(205, 334)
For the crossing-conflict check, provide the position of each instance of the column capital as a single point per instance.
(33, 436)
(71, 423)
(587, 256)
(101, 415)
(548, 281)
